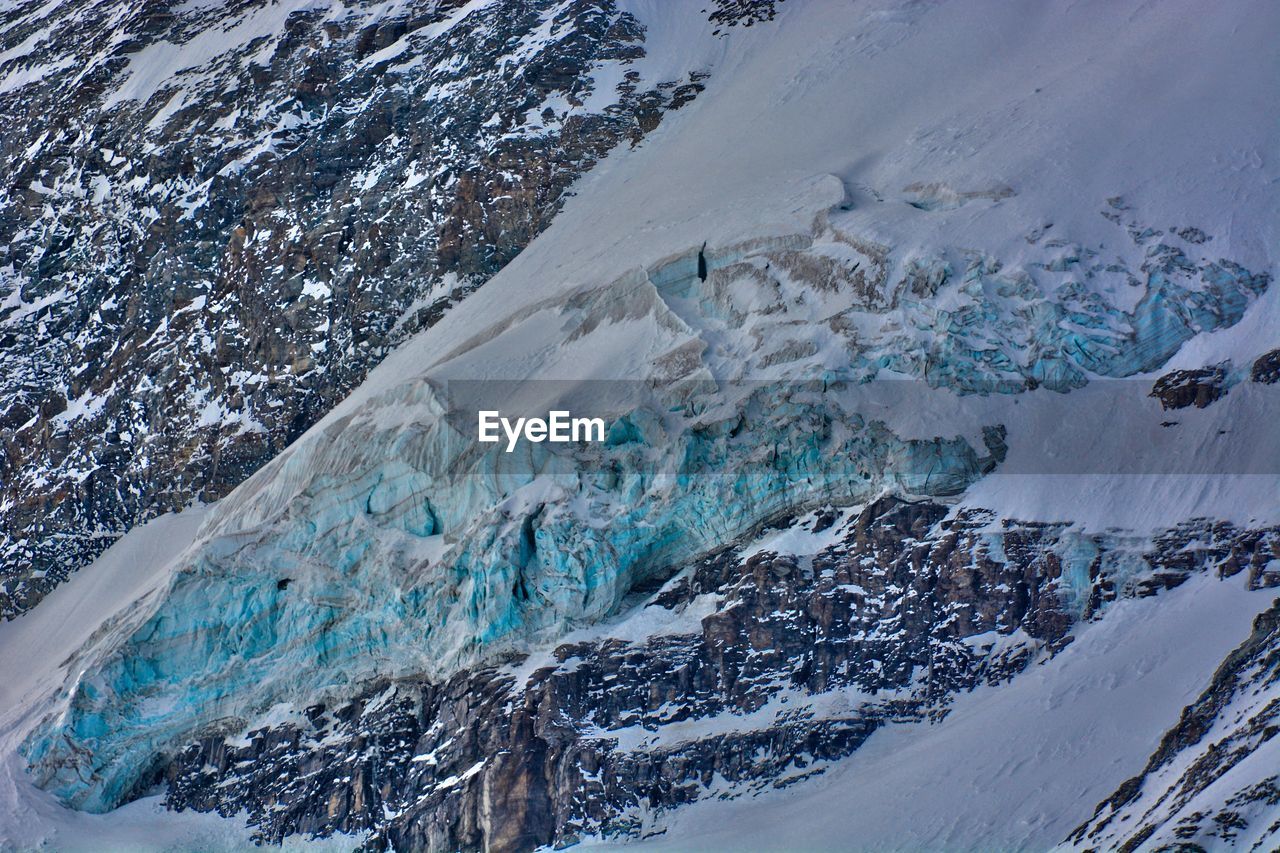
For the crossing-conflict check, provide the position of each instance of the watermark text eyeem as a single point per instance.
(559, 427)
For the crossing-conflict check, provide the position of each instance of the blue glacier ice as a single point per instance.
(377, 588)
(387, 543)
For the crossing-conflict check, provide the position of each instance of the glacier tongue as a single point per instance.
(386, 543)
(389, 561)
(389, 543)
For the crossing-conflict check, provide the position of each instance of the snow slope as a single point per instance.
(982, 189)
(872, 99)
(1014, 767)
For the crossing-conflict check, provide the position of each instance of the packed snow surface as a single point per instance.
(983, 204)
(1014, 767)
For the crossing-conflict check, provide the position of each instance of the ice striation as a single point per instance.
(388, 543)
(218, 218)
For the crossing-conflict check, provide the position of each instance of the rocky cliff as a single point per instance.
(216, 219)
(1212, 781)
(749, 670)
(937, 360)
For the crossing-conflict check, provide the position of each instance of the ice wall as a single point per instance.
(389, 543)
(407, 551)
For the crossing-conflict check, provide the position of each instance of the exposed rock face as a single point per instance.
(1267, 368)
(733, 13)
(743, 671)
(217, 219)
(1211, 783)
(1182, 388)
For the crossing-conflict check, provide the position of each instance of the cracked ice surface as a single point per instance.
(408, 549)
(389, 543)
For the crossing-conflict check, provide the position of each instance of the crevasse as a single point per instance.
(388, 543)
(376, 586)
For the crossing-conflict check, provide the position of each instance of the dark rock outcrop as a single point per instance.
(733, 13)
(1266, 369)
(1182, 388)
(755, 670)
(215, 223)
(1184, 797)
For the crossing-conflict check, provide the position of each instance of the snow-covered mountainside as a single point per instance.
(1211, 781)
(939, 359)
(217, 217)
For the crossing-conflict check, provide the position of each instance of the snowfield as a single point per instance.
(1015, 767)
(989, 213)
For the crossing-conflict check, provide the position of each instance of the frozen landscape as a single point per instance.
(939, 501)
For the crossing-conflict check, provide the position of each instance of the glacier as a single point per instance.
(724, 301)
(389, 543)
(342, 586)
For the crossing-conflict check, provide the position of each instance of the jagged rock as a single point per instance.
(734, 13)
(740, 690)
(195, 270)
(1267, 368)
(1208, 783)
(1182, 388)
(1192, 235)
